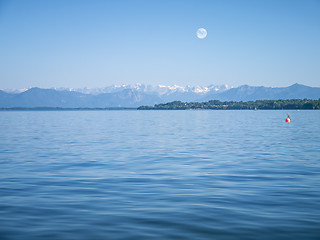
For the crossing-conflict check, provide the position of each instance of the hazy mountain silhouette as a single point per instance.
(133, 97)
(249, 93)
(36, 97)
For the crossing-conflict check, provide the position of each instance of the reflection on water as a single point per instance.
(159, 175)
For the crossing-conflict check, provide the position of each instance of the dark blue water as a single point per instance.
(159, 175)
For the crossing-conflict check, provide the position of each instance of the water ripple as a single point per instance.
(159, 175)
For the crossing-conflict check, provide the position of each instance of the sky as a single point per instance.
(82, 43)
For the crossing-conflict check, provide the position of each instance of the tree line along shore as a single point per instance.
(212, 104)
(250, 105)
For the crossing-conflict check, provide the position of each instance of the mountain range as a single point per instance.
(140, 94)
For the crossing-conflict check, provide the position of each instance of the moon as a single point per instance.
(201, 33)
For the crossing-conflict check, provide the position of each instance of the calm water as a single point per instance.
(159, 175)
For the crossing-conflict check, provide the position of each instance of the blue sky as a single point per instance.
(74, 43)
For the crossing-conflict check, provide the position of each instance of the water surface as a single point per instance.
(159, 175)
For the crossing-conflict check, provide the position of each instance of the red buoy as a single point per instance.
(288, 119)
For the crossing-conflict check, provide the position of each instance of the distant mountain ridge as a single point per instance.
(249, 93)
(140, 94)
(152, 89)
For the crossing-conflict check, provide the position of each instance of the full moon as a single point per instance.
(201, 33)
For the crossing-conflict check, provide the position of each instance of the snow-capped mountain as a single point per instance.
(15, 90)
(125, 95)
(151, 89)
(140, 94)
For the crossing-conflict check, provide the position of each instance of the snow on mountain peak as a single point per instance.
(160, 89)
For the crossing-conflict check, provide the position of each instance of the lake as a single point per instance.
(159, 174)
